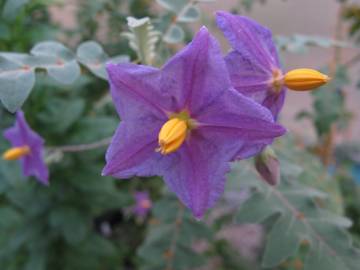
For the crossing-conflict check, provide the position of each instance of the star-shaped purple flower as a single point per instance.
(184, 122)
(28, 147)
(253, 64)
(142, 204)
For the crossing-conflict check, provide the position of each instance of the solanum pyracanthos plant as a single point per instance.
(193, 120)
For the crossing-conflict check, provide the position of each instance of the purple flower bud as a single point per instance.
(267, 165)
(143, 204)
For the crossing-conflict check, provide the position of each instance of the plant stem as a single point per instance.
(172, 249)
(81, 147)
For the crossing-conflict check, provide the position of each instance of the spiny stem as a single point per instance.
(81, 147)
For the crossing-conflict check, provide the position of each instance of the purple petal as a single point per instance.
(275, 102)
(239, 117)
(196, 172)
(34, 165)
(241, 121)
(252, 40)
(247, 77)
(197, 75)
(139, 85)
(132, 150)
(139, 209)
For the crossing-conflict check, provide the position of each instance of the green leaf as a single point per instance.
(173, 5)
(92, 55)
(298, 212)
(16, 82)
(72, 223)
(61, 114)
(168, 242)
(64, 67)
(142, 38)
(12, 7)
(282, 242)
(4, 31)
(175, 34)
(36, 261)
(90, 129)
(190, 13)
(9, 217)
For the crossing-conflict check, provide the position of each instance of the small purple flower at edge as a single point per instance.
(27, 146)
(254, 65)
(184, 122)
(143, 204)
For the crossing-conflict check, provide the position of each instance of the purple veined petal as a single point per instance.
(12, 135)
(133, 151)
(238, 117)
(197, 75)
(274, 102)
(246, 77)
(251, 149)
(196, 172)
(33, 165)
(139, 85)
(249, 38)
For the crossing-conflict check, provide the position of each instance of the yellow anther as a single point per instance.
(304, 79)
(16, 152)
(172, 135)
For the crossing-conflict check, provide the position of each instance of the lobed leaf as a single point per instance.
(16, 82)
(168, 244)
(298, 214)
(175, 34)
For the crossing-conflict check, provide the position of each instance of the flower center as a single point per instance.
(173, 132)
(277, 81)
(16, 152)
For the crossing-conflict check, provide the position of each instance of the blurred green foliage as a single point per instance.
(84, 221)
(352, 14)
(23, 23)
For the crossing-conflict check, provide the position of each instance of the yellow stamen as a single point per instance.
(16, 152)
(172, 135)
(304, 79)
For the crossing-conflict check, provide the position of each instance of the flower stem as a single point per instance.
(81, 147)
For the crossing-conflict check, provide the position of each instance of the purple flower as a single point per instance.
(253, 64)
(268, 166)
(28, 147)
(184, 122)
(143, 204)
